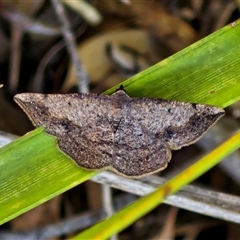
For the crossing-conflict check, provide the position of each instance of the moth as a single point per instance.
(133, 137)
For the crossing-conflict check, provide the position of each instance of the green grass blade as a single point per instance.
(130, 214)
(33, 171)
(206, 72)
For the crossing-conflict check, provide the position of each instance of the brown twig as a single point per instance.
(71, 46)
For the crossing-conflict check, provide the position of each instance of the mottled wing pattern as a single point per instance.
(178, 124)
(81, 123)
(132, 136)
(137, 152)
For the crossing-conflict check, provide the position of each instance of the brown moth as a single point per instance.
(131, 136)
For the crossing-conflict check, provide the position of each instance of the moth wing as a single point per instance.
(80, 122)
(176, 123)
(137, 152)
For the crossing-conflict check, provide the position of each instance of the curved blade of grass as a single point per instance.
(33, 171)
(130, 214)
(206, 72)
